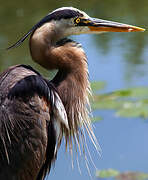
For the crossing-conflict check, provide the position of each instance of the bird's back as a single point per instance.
(27, 136)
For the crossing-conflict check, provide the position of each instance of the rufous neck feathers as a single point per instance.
(71, 81)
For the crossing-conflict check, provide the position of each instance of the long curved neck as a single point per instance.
(71, 80)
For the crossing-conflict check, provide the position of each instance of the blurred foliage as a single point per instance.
(105, 174)
(132, 102)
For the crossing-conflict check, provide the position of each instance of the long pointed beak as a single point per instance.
(99, 25)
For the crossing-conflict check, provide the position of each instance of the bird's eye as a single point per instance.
(77, 20)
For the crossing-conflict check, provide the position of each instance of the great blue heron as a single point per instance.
(36, 113)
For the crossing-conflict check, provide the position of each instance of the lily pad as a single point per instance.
(116, 175)
(132, 102)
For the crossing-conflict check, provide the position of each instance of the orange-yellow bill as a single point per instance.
(99, 25)
(123, 28)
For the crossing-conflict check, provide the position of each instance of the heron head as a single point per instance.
(71, 21)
